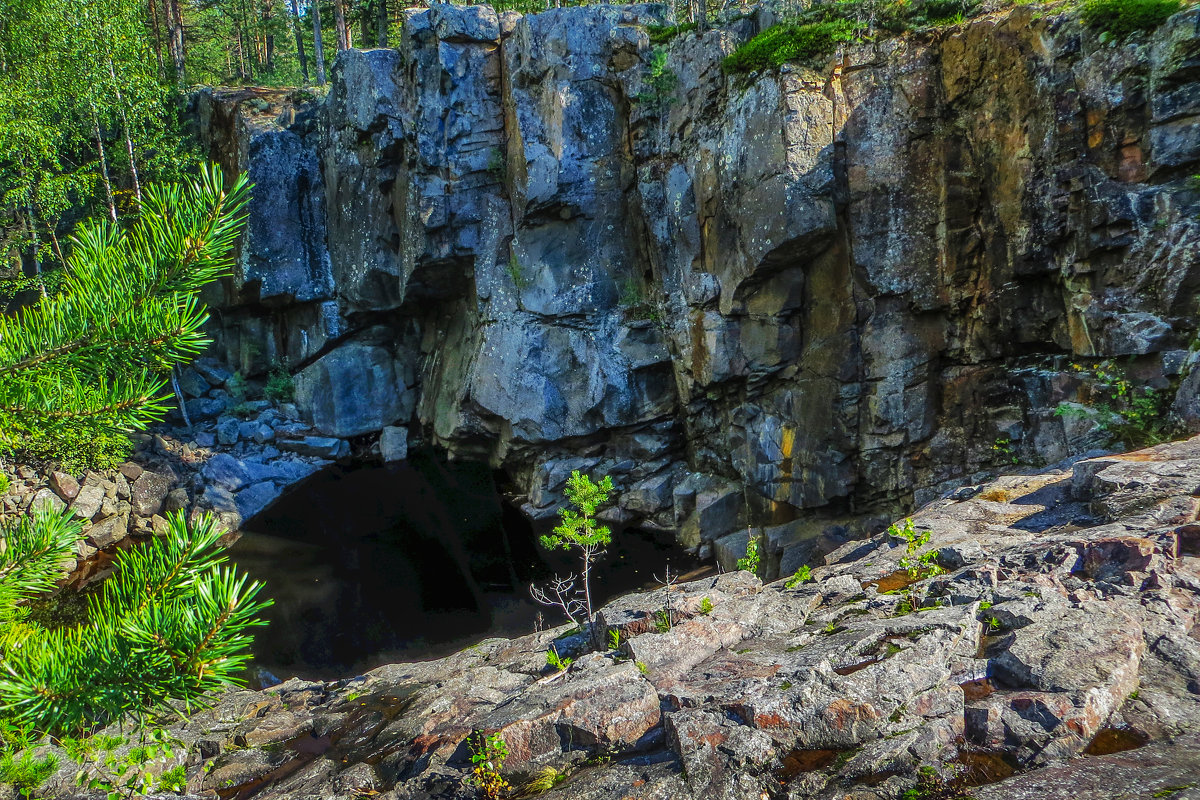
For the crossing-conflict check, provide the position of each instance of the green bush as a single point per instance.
(25, 770)
(280, 387)
(661, 34)
(780, 44)
(942, 12)
(1123, 17)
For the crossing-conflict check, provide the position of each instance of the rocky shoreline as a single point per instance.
(1063, 628)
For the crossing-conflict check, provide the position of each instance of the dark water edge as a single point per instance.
(372, 565)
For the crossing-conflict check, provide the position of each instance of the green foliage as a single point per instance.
(86, 118)
(661, 34)
(488, 754)
(614, 640)
(89, 363)
(1004, 449)
(1137, 416)
(780, 44)
(750, 561)
(171, 624)
(131, 774)
(642, 668)
(706, 606)
(553, 659)
(173, 780)
(25, 770)
(5, 483)
(943, 12)
(802, 575)
(660, 83)
(544, 780)
(918, 565)
(280, 387)
(932, 786)
(1122, 17)
(580, 531)
(578, 527)
(662, 621)
(516, 272)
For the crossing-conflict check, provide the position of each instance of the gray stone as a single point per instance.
(227, 431)
(226, 472)
(353, 390)
(46, 498)
(393, 444)
(108, 532)
(149, 490)
(255, 498)
(318, 446)
(64, 485)
(87, 502)
(212, 371)
(176, 500)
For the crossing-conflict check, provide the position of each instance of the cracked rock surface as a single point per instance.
(1057, 655)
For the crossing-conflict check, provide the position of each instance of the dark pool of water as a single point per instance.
(412, 561)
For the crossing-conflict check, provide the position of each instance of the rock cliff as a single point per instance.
(802, 299)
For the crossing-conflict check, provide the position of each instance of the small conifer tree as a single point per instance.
(578, 530)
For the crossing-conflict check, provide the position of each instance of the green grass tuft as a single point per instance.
(780, 44)
(1123, 17)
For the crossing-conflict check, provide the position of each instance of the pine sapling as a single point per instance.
(579, 531)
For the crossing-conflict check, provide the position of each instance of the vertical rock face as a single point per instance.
(750, 299)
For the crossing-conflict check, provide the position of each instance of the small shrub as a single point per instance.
(280, 388)
(946, 12)
(802, 575)
(488, 753)
(173, 780)
(553, 659)
(750, 561)
(5, 483)
(661, 34)
(544, 780)
(706, 606)
(1123, 17)
(923, 565)
(26, 771)
(614, 640)
(662, 621)
(780, 44)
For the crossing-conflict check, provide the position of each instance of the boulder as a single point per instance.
(393, 444)
(64, 485)
(356, 389)
(226, 472)
(87, 503)
(148, 491)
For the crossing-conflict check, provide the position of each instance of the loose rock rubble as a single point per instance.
(1062, 631)
(234, 459)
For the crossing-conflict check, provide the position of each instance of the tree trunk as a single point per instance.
(133, 170)
(314, 8)
(33, 238)
(381, 23)
(300, 40)
(339, 19)
(157, 28)
(108, 190)
(175, 40)
(247, 43)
